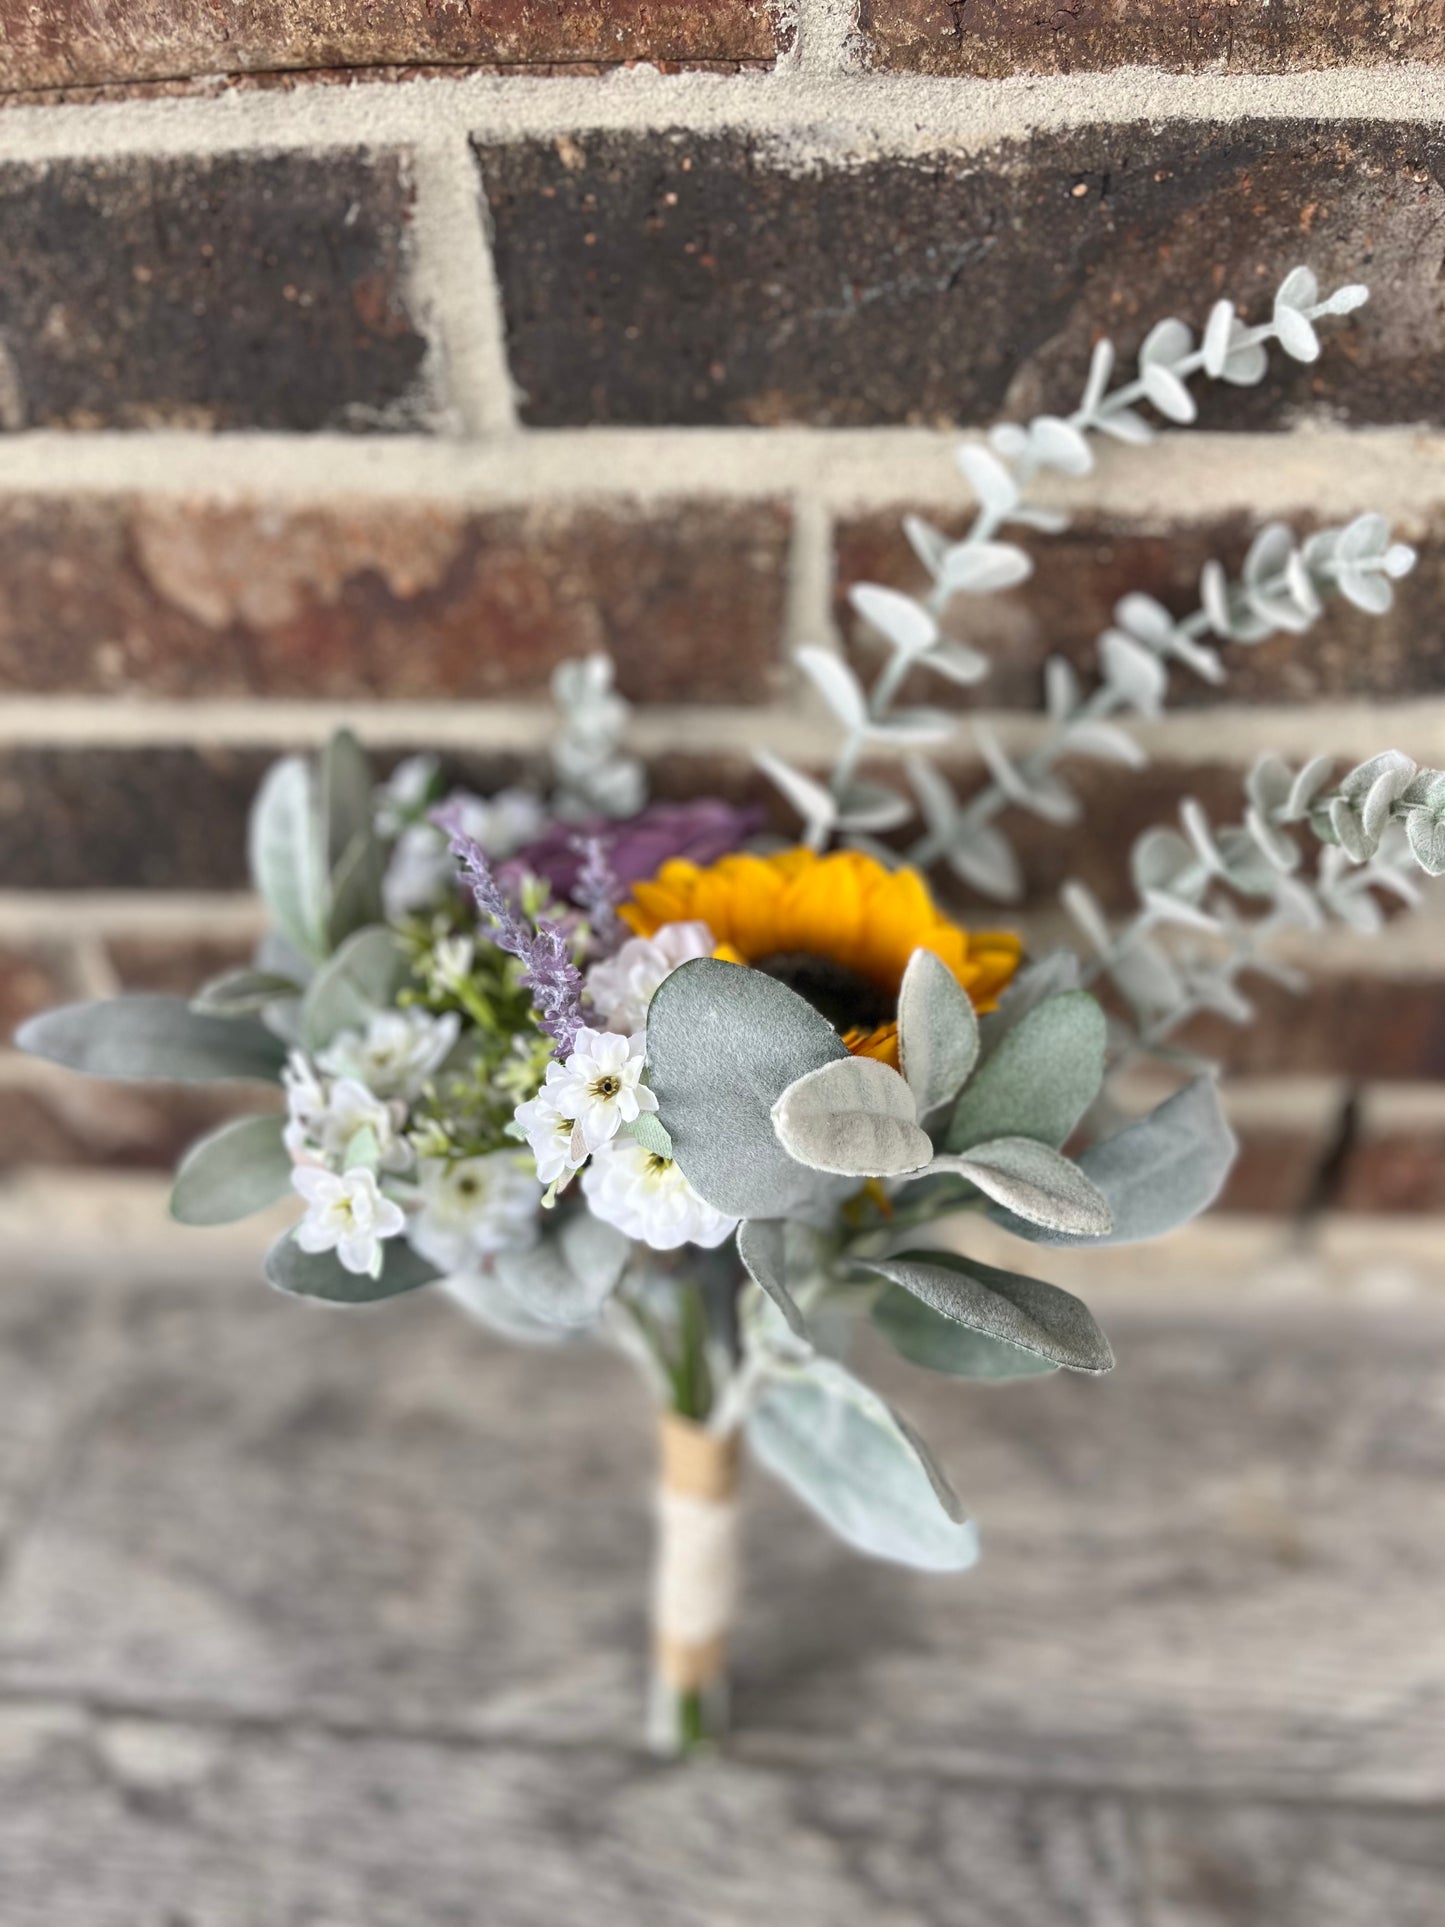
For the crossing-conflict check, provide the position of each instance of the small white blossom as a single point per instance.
(404, 796)
(452, 960)
(549, 1131)
(346, 1213)
(649, 1199)
(600, 1085)
(325, 1114)
(397, 1052)
(622, 986)
(473, 1208)
(421, 871)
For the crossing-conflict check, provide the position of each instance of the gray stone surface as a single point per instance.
(338, 1619)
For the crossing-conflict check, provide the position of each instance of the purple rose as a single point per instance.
(637, 848)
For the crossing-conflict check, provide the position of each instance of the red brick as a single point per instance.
(1395, 1171)
(1275, 1174)
(386, 598)
(80, 1122)
(33, 976)
(69, 43)
(699, 278)
(996, 37)
(1366, 1027)
(1080, 575)
(210, 291)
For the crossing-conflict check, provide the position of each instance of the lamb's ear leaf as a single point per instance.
(1023, 1312)
(322, 1276)
(855, 1118)
(243, 993)
(723, 1044)
(937, 1032)
(566, 1279)
(149, 1037)
(346, 795)
(356, 899)
(1048, 976)
(235, 1171)
(1036, 1183)
(1157, 1174)
(361, 979)
(763, 1248)
(1041, 1078)
(938, 1345)
(860, 1466)
(287, 854)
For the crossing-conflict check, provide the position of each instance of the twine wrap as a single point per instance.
(697, 1552)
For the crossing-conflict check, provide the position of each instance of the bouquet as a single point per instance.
(641, 1074)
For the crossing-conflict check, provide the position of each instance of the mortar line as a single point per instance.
(454, 282)
(1183, 475)
(801, 111)
(1231, 735)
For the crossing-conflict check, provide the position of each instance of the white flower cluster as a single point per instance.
(346, 1132)
(582, 1110)
(420, 873)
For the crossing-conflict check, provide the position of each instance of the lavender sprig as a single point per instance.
(598, 890)
(549, 972)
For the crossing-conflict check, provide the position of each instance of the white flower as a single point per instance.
(404, 796)
(326, 1114)
(649, 1199)
(549, 1132)
(419, 872)
(473, 1208)
(599, 1084)
(622, 986)
(398, 1052)
(452, 960)
(347, 1214)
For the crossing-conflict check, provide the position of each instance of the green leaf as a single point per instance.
(861, 1468)
(1039, 1081)
(937, 1032)
(286, 854)
(1158, 1174)
(855, 1118)
(488, 1300)
(1033, 1182)
(154, 1037)
(361, 979)
(938, 1345)
(321, 1274)
(346, 795)
(243, 993)
(723, 1044)
(567, 1277)
(356, 889)
(237, 1170)
(648, 1132)
(1023, 1312)
(763, 1248)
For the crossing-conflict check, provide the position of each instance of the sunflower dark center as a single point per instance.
(847, 1000)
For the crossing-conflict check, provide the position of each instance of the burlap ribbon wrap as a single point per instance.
(697, 1552)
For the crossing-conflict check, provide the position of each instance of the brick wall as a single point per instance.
(360, 361)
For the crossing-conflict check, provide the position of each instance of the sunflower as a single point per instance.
(838, 929)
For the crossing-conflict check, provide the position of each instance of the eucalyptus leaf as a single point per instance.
(937, 1032)
(322, 1276)
(983, 857)
(1158, 1174)
(812, 802)
(1023, 1312)
(149, 1037)
(284, 845)
(937, 1344)
(1039, 1080)
(723, 1044)
(361, 979)
(902, 619)
(235, 1171)
(855, 1118)
(861, 1468)
(836, 684)
(1034, 1183)
(763, 1248)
